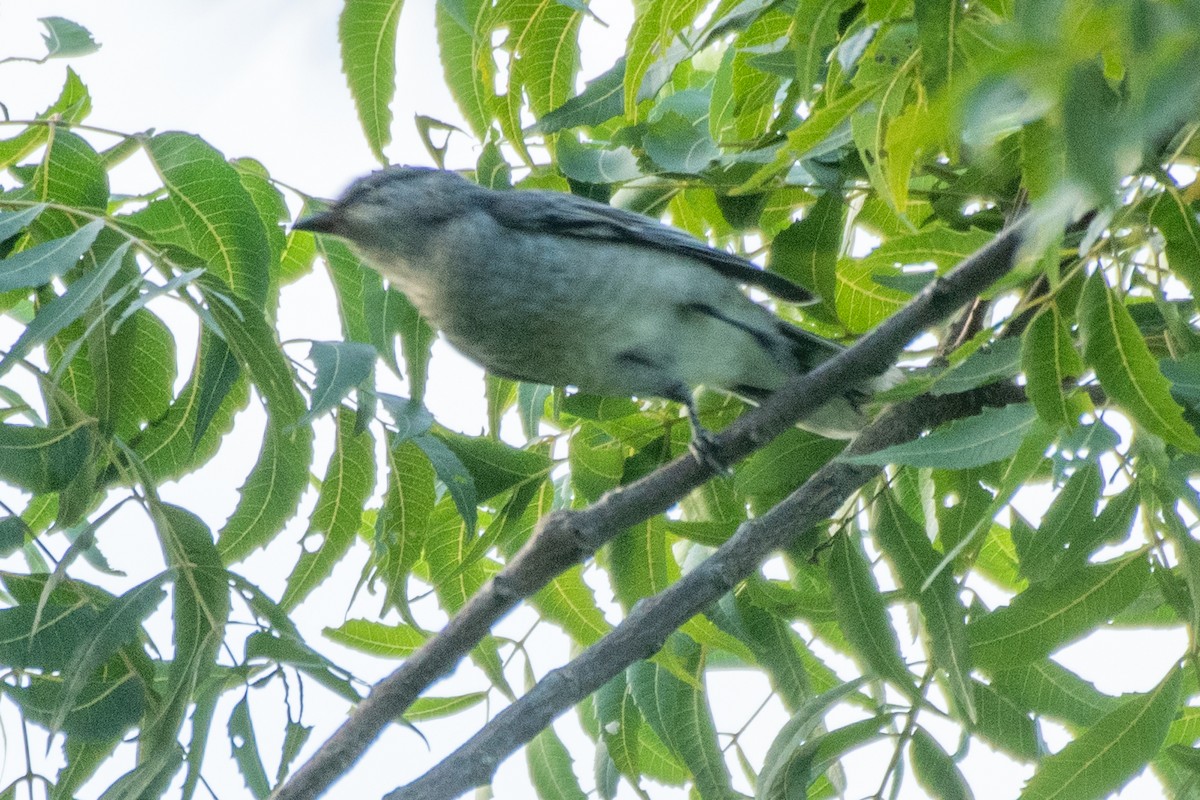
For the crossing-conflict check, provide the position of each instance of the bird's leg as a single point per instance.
(703, 445)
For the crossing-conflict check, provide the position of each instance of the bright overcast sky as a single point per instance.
(263, 79)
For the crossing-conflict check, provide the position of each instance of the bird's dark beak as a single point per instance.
(321, 222)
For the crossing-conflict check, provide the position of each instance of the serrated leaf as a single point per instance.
(994, 434)
(11, 222)
(599, 102)
(654, 29)
(37, 265)
(271, 493)
(347, 484)
(569, 602)
(1112, 751)
(807, 251)
(244, 745)
(114, 626)
(936, 771)
(216, 217)
(787, 767)
(377, 638)
(469, 68)
(1069, 518)
(862, 614)
(426, 708)
(65, 39)
(551, 768)
(64, 309)
(678, 714)
(72, 106)
(1045, 617)
(999, 361)
(1049, 360)
(1113, 346)
(367, 33)
(200, 610)
(43, 460)
(341, 366)
(1052, 690)
(451, 471)
(494, 466)
(915, 560)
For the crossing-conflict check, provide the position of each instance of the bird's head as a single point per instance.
(390, 213)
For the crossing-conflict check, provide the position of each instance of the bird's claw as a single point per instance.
(703, 448)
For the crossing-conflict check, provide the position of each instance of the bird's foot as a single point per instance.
(703, 448)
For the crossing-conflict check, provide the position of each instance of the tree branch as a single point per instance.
(566, 538)
(651, 621)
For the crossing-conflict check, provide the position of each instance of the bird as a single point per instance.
(552, 288)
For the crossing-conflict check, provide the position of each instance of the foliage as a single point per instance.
(867, 147)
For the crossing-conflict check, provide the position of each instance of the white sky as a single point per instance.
(263, 79)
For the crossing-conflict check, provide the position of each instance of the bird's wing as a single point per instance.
(569, 215)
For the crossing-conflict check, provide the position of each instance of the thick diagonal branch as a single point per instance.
(566, 538)
(651, 621)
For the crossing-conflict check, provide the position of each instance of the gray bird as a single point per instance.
(550, 288)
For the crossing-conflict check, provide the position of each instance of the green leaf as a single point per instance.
(906, 546)
(1176, 219)
(787, 768)
(403, 520)
(568, 602)
(367, 32)
(551, 768)
(597, 461)
(347, 484)
(426, 708)
(11, 222)
(271, 493)
(862, 614)
(65, 39)
(244, 745)
(1049, 360)
(341, 366)
(1113, 346)
(61, 311)
(1112, 751)
(1005, 724)
(1045, 617)
(994, 434)
(599, 102)
(211, 214)
(464, 41)
(807, 251)
(654, 29)
(377, 638)
(1054, 691)
(862, 301)
(494, 466)
(998, 361)
(116, 625)
(937, 25)
(72, 106)
(43, 460)
(451, 471)
(678, 713)
(936, 771)
(167, 446)
(37, 265)
(803, 140)
(1069, 518)
(256, 345)
(200, 610)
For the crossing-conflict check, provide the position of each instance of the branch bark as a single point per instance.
(651, 621)
(566, 538)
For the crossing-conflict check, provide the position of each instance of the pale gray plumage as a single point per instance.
(551, 288)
